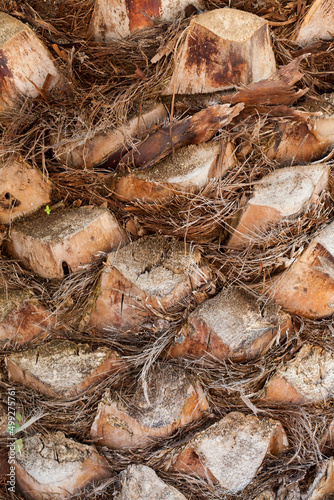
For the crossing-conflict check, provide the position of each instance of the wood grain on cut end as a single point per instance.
(223, 48)
(22, 317)
(280, 195)
(60, 243)
(170, 401)
(25, 64)
(190, 168)
(233, 325)
(308, 378)
(62, 369)
(230, 452)
(23, 190)
(318, 23)
(307, 287)
(53, 467)
(152, 273)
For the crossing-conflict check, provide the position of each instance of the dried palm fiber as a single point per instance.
(109, 90)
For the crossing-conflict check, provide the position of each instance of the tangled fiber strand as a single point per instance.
(110, 81)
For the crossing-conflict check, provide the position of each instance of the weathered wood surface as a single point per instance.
(169, 401)
(22, 317)
(139, 482)
(318, 23)
(114, 19)
(230, 452)
(26, 66)
(54, 467)
(106, 149)
(190, 169)
(200, 127)
(270, 94)
(307, 287)
(151, 274)
(223, 48)
(61, 242)
(280, 195)
(234, 325)
(62, 369)
(302, 141)
(23, 190)
(308, 378)
(323, 484)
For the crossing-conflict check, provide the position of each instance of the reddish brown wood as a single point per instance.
(199, 128)
(22, 317)
(174, 400)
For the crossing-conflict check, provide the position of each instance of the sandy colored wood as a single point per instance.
(191, 168)
(62, 242)
(323, 484)
(152, 273)
(62, 369)
(173, 401)
(139, 482)
(22, 317)
(308, 378)
(284, 193)
(230, 452)
(53, 467)
(114, 19)
(107, 148)
(307, 287)
(318, 23)
(25, 64)
(302, 141)
(23, 190)
(233, 324)
(223, 48)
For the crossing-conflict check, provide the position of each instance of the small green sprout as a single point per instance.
(18, 445)
(47, 209)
